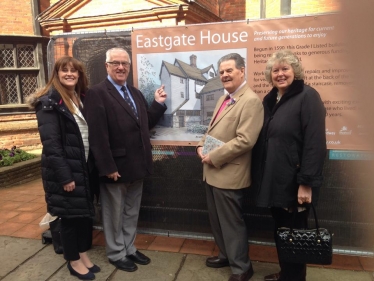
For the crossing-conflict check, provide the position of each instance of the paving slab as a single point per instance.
(319, 274)
(97, 256)
(28, 259)
(262, 269)
(194, 268)
(163, 267)
(40, 266)
(15, 251)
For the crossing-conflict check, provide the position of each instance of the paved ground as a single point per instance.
(24, 257)
(28, 259)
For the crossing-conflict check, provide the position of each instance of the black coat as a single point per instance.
(291, 147)
(118, 141)
(63, 159)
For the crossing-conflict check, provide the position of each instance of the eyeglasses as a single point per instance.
(118, 63)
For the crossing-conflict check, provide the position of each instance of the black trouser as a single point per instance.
(282, 217)
(76, 237)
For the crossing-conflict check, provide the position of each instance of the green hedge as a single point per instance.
(10, 156)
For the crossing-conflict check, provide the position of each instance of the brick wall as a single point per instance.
(20, 172)
(43, 5)
(16, 18)
(233, 10)
(19, 130)
(210, 5)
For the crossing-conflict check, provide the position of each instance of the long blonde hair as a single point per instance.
(54, 81)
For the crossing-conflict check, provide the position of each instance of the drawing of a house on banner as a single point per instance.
(209, 95)
(186, 84)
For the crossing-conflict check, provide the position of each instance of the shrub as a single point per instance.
(14, 155)
(197, 129)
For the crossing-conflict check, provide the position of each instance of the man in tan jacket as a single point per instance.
(237, 121)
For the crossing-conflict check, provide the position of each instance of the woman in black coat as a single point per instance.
(64, 135)
(289, 155)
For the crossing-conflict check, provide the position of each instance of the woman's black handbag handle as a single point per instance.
(294, 217)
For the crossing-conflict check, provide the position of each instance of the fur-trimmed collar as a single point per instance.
(295, 88)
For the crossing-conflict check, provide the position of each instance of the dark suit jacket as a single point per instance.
(118, 141)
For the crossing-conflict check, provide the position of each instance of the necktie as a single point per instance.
(129, 101)
(227, 99)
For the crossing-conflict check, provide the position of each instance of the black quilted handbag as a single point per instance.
(313, 246)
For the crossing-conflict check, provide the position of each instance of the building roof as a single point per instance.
(206, 69)
(213, 85)
(191, 71)
(172, 69)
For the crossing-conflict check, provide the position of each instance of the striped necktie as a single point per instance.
(129, 101)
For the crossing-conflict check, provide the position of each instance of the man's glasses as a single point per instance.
(118, 63)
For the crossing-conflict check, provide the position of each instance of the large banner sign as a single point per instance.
(184, 59)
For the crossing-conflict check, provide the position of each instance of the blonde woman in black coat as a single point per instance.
(64, 135)
(289, 155)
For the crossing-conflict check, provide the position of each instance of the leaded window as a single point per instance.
(18, 72)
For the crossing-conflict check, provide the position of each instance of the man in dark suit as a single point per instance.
(119, 120)
(238, 118)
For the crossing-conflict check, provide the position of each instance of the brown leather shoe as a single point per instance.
(242, 277)
(272, 277)
(216, 262)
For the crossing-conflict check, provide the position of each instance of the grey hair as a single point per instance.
(115, 50)
(239, 61)
(284, 56)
